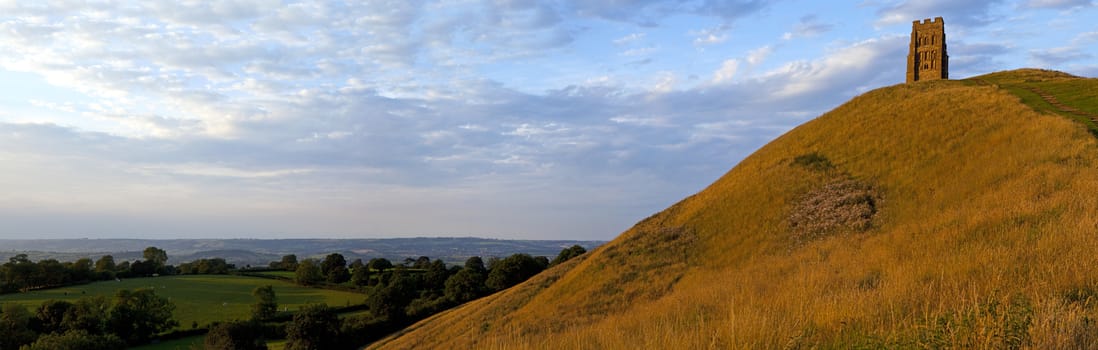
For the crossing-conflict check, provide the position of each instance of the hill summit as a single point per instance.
(926, 215)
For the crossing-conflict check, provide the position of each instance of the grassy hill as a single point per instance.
(929, 215)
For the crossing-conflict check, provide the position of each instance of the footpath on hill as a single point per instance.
(1050, 91)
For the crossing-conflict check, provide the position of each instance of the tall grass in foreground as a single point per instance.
(985, 237)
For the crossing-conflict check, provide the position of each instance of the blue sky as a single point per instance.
(509, 119)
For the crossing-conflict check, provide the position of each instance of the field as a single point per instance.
(196, 343)
(282, 274)
(199, 299)
(177, 344)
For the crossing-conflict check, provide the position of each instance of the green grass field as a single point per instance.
(283, 274)
(200, 299)
(188, 343)
(195, 342)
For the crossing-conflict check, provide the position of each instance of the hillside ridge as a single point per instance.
(934, 214)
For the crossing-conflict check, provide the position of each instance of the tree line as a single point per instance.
(396, 296)
(20, 274)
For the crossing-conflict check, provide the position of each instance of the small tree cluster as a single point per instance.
(288, 263)
(235, 335)
(567, 254)
(308, 273)
(313, 327)
(334, 268)
(215, 266)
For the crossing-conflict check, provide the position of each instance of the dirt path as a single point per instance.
(1060, 106)
(1051, 100)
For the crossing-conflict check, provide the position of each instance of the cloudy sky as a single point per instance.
(567, 119)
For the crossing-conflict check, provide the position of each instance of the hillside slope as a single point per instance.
(929, 215)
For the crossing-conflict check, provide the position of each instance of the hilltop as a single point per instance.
(935, 214)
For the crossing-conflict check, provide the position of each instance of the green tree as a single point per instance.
(334, 268)
(88, 314)
(51, 315)
(313, 327)
(122, 269)
(81, 270)
(543, 262)
(468, 283)
(465, 285)
(381, 267)
(22, 273)
(158, 257)
(143, 268)
(356, 264)
(435, 277)
(511, 271)
(380, 264)
(288, 262)
(215, 266)
(308, 273)
(338, 275)
(332, 261)
(568, 253)
(15, 328)
(476, 264)
(266, 303)
(76, 340)
(422, 262)
(105, 265)
(235, 336)
(389, 300)
(360, 276)
(51, 273)
(140, 314)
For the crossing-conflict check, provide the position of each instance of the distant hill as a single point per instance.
(259, 252)
(941, 214)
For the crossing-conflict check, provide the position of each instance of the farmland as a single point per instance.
(199, 299)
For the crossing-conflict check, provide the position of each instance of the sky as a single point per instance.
(563, 119)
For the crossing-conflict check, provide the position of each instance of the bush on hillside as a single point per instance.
(813, 161)
(841, 205)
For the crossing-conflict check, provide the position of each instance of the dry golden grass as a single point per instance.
(984, 237)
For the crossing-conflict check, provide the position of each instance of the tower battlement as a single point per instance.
(927, 58)
(937, 20)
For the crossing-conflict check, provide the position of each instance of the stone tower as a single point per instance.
(927, 58)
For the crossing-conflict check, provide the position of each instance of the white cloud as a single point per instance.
(1084, 38)
(808, 26)
(848, 65)
(640, 51)
(632, 37)
(710, 36)
(1060, 4)
(1058, 56)
(206, 170)
(955, 12)
(756, 56)
(727, 71)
